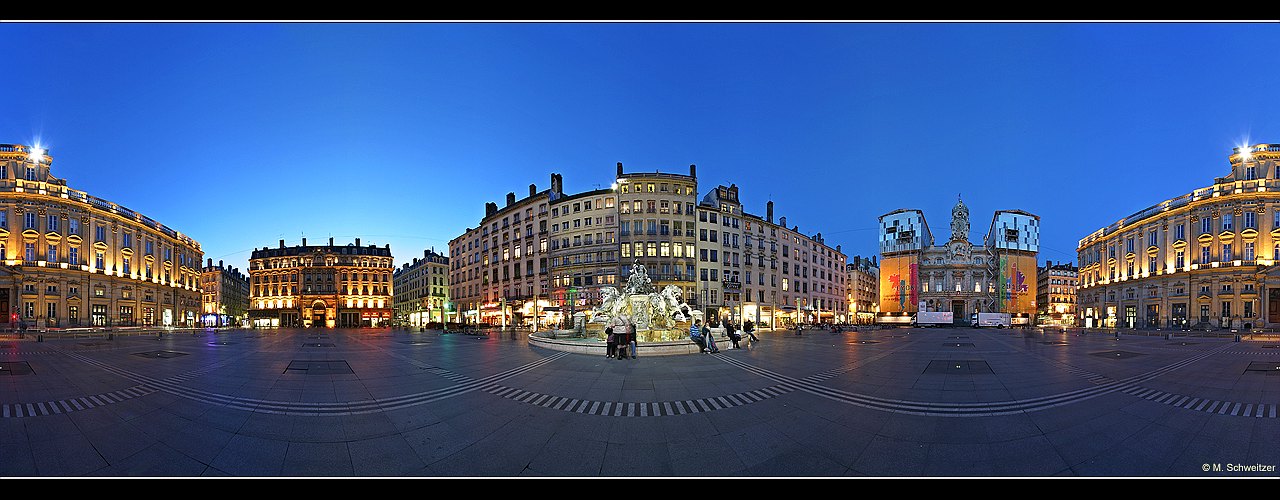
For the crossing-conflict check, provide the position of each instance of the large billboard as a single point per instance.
(1016, 292)
(899, 284)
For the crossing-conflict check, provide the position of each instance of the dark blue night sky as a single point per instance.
(243, 134)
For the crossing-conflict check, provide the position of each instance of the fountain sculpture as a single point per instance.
(659, 317)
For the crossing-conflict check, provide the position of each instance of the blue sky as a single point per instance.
(242, 134)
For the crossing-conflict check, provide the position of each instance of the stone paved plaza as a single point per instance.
(895, 402)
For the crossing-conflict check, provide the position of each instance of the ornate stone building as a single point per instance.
(958, 276)
(1206, 259)
(1056, 293)
(75, 260)
(320, 285)
(225, 295)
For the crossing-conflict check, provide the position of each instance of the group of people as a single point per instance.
(706, 339)
(620, 336)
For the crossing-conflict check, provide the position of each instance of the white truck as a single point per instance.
(934, 318)
(998, 320)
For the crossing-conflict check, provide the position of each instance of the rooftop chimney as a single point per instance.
(490, 208)
(281, 243)
(304, 242)
(219, 263)
(330, 241)
(511, 198)
(782, 221)
(693, 171)
(533, 189)
(768, 212)
(619, 169)
(210, 264)
(357, 241)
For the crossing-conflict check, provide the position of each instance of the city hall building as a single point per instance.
(1206, 259)
(75, 260)
(998, 275)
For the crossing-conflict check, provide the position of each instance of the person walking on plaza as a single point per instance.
(695, 334)
(732, 333)
(749, 328)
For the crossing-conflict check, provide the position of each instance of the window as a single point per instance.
(1248, 308)
(52, 256)
(30, 252)
(1129, 245)
(1205, 225)
(1179, 232)
(1250, 220)
(1250, 173)
(29, 220)
(99, 261)
(1226, 252)
(73, 256)
(1151, 264)
(1151, 239)
(1204, 255)
(1226, 309)
(52, 222)
(1248, 251)
(125, 265)
(1227, 221)
(1179, 260)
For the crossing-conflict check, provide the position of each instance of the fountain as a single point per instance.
(659, 317)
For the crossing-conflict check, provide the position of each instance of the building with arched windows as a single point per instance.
(1206, 259)
(320, 285)
(75, 260)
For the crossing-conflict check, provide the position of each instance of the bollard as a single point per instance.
(40, 337)
(1168, 336)
(1237, 337)
(159, 335)
(111, 336)
(1117, 334)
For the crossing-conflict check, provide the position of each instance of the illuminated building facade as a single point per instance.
(959, 276)
(1206, 259)
(752, 268)
(75, 260)
(421, 291)
(583, 249)
(1056, 293)
(224, 295)
(862, 278)
(657, 227)
(321, 285)
(498, 270)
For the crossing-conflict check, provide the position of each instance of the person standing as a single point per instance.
(631, 336)
(611, 342)
(749, 327)
(732, 333)
(695, 334)
(622, 333)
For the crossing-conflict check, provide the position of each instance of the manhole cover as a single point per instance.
(1268, 367)
(221, 343)
(160, 354)
(958, 344)
(1116, 354)
(958, 367)
(15, 368)
(319, 367)
(317, 344)
(415, 342)
(1183, 343)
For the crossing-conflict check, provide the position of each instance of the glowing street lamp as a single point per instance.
(35, 153)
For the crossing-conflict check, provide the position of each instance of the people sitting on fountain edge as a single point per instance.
(711, 340)
(732, 333)
(695, 334)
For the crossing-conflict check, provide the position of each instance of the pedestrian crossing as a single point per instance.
(69, 405)
(637, 409)
(1235, 409)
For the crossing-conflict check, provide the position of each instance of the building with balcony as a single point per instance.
(657, 227)
(1056, 293)
(964, 278)
(321, 285)
(75, 260)
(224, 292)
(583, 251)
(498, 270)
(862, 278)
(750, 267)
(1205, 259)
(420, 291)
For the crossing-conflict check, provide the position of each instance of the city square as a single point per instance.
(880, 402)
(497, 249)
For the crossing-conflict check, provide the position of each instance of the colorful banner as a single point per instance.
(1016, 292)
(899, 284)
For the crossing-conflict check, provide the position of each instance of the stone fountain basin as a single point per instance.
(597, 347)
